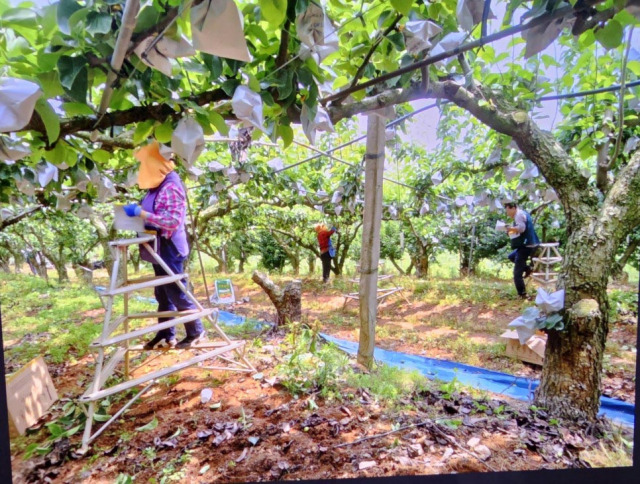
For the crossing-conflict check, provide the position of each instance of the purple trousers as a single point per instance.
(169, 296)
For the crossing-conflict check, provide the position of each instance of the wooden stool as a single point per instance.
(542, 270)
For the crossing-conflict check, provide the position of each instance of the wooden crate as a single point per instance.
(30, 393)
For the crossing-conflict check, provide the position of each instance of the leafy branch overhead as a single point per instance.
(64, 47)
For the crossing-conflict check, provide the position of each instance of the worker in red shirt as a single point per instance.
(327, 251)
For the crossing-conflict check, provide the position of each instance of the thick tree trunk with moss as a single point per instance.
(596, 225)
(573, 357)
(287, 300)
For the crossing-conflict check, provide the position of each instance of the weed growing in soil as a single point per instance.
(309, 367)
(387, 383)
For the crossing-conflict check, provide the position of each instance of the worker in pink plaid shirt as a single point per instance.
(164, 209)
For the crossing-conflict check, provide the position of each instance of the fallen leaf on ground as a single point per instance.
(473, 442)
(447, 453)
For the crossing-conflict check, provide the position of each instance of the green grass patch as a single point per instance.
(471, 290)
(47, 319)
(388, 383)
(58, 321)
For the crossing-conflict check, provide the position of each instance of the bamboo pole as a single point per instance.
(129, 17)
(370, 253)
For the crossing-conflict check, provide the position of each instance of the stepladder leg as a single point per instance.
(86, 436)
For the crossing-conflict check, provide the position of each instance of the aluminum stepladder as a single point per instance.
(229, 353)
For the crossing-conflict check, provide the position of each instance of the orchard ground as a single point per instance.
(303, 415)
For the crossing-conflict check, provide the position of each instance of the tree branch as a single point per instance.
(297, 240)
(623, 80)
(382, 100)
(138, 38)
(212, 212)
(117, 142)
(14, 220)
(620, 263)
(284, 45)
(159, 112)
(395, 264)
(372, 49)
(557, 167)
(619, 214)
(602, 160)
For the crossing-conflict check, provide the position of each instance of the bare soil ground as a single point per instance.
(259, 432)
(254, 430)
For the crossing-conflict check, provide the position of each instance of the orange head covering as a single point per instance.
(153, 166)
(320, 228)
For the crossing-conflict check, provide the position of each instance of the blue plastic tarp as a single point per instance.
(230, 319)
(512, 386)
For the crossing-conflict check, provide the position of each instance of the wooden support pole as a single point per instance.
(370, 253)
(129, 17)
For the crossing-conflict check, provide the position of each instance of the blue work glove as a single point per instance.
(133, 210)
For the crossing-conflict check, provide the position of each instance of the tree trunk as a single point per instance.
(41, 266)
(135, 261)
(573, 363)
(409, 269)
(311, 260)
(571, 375)
(18, 261)
(466, 267)
(337, 265)
(61, 269)
(105, 235)
(288, 301)
(84, 274)
(222, 262)
(421, 263)
(395, 264)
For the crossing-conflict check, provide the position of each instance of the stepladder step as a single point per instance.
(191, 316)
(90, 396)
(144, 283)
